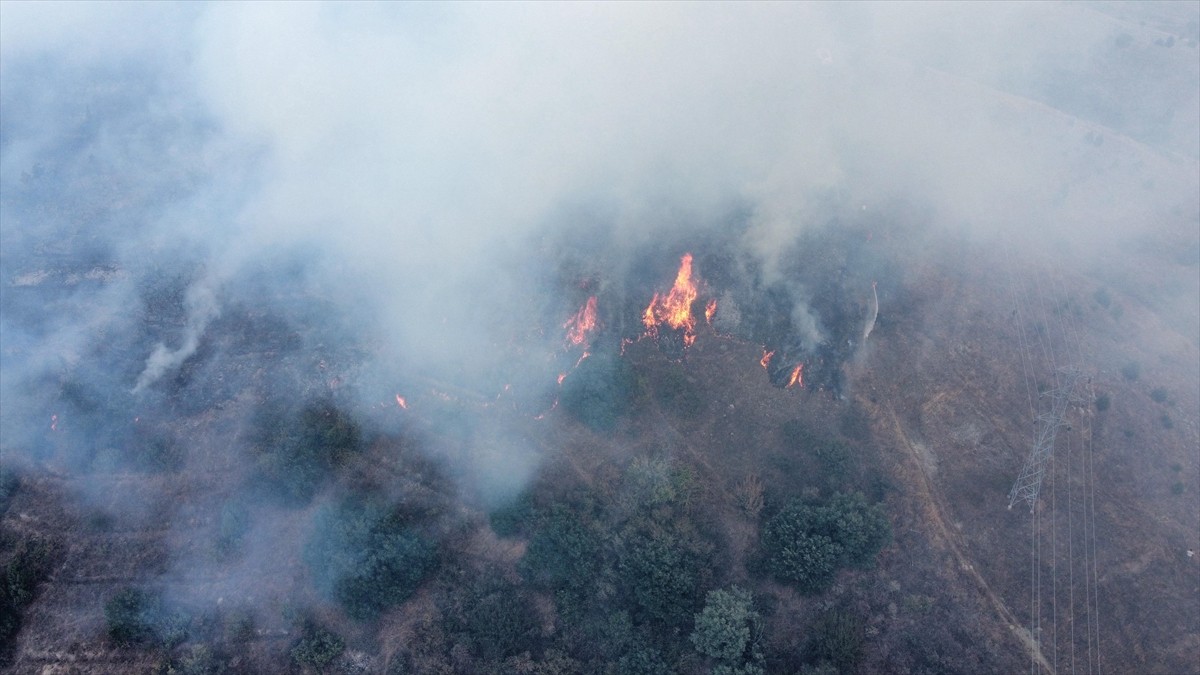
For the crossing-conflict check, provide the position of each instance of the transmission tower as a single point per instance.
(1048, 423)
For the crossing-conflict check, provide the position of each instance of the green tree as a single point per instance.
(298, 452)
(317, 646)
(728, 630)
(805, 544)
(367, 557)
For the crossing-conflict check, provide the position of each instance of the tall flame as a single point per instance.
(582, 323)
(709, 310)
(766, 359)
(675, 308)
(797, 376)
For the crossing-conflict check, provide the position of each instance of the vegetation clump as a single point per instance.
(728, 631)
(805, 544)
(23, 573)
(298, 452)
(317, 647)
(600, 391)
(368, 556)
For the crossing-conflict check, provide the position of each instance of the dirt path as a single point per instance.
(932, 510)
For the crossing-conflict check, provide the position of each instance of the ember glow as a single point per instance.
(675, 308)
(797, 377)
(54, 423)
(766, 359)
(400, 401)
(584, 322)
(709, 310)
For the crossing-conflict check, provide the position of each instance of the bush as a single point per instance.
(297, 453)
(599, 391)
(366, 557)
(728, 630)
(24, 573)
(562, 555)
(495, 618)
(513, 519)
(1103, 402)
(836, 638)
(663, 578)
(806, 544)
(133, 617)
(1158, 395)
(317, 646)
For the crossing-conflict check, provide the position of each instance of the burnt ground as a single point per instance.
(941, 399)
(937, 407)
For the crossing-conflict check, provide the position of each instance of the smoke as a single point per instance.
(201, 307)
(400, 197)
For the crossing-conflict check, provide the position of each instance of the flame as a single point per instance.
(561, 377)
(709, 310)
(766, 359)
(675, 308)
(582, 323)
(54, 423)
(402, 402)
(797, 376)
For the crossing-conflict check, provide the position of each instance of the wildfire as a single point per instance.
(675, 308)
(797, 376)
(402, 402)
(582, 323)
(709, 310)
(766, 359)
(54, 423)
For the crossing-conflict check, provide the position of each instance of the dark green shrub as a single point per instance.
(836, 638)
(298, 452)
(317, 646)
(513, 519)
(492, 616)
(23, 574)
(1103, 402)
(806, 544)
(728, 631)
(367, 557)
(663, 577)
(1158, 395)
(133, 617)
(599, 391)
(562, 555)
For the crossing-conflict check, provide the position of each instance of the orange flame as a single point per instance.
(797, 376)
(582, 323)
(675, 309)
(766, 359)
(561, 377)
(402, 402)
(709, 310)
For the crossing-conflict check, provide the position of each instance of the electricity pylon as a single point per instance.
(1048, 423)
